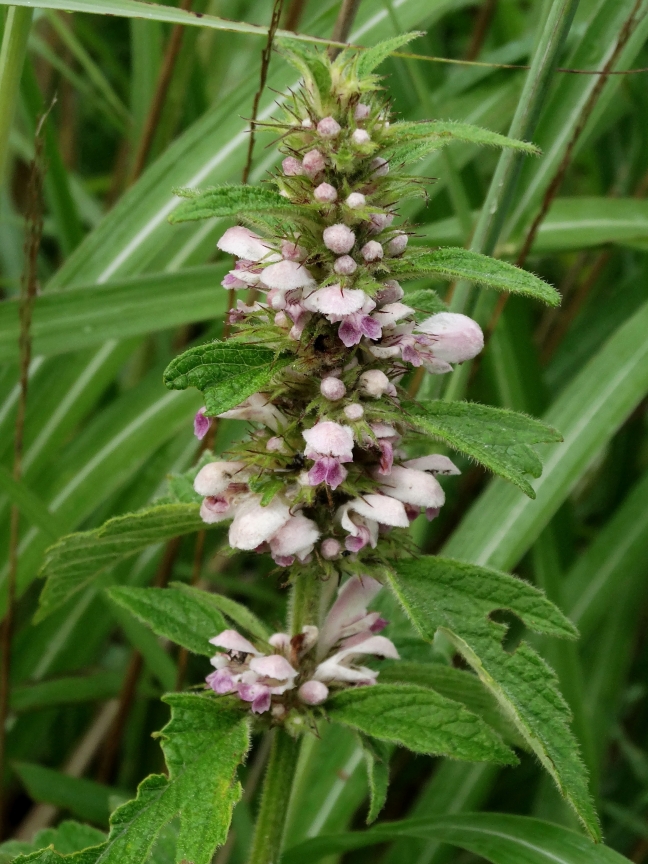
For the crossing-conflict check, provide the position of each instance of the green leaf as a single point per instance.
(76, 560)
(97, 687)
(419, 719)
(458, 685)
(177, 615)
(372, 57)
(30, 505)
(239, 614)
(230, 201)
(314, 68)
(496, 438)
(499, 838)
(425, 300)
(68, 837)
(84, 798)
(377, 761)
(226, 372)
(459, 598)
(451, 130)
(204, 742)
(455, 263)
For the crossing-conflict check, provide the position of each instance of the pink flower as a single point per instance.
(245, 244)
(292, 167)
(397, 244)
(456, 337)
(287, 275)
(296, 537)
(230, 640)
(313, 692)
(292, 251)
(357, 325)
(258, 409)
(330, 548)
(355, 200)
(362, 517)
(375, 383)
(336, 302)
(338, 238)
(332, 389)
(254, 525)
(327, 469)
(201, 424)
(325, 193)
(215, 477)
(328, 438)
(345, 265)
(391, 313)
(360, 137)
(362, 111)
(413, 487)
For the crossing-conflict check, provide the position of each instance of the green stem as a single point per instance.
(12, 58)
(305, 603)
(277, 785)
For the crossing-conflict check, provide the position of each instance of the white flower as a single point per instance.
(337, 302)
(356, 200)
(287, 275)
(297, 536)
(456, 337)
(345, 265)
(435, 463)
(313, 163)
(328, 438)
(254, 525)
(413, 487)
(325, 193)
(390, 313)
(329, 127)
(215, 477)
(245, 244)
(375, 383)
(372, 251)
(258, 409)
(230, 640)
(332, 389)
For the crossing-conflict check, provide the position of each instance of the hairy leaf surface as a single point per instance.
(498, 439)
(451, 262)
(177, 615)
(372, 58)
(459, 598)
(230, 201)
(377, 755)
(226, 372)
(419, 719)
(453, 130)
(236, 612)
(77, 559)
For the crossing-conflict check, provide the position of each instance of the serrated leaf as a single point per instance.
(458, 685)
(230, 201)
(177, 615)
(226, 372)
(419, 719)
(451, 130)
(204, 743)
(377, 755)
(498, 439)
(452, 262)
(458, 599)
(372, 57)
(237, 613)
(68, 837)
(77, 559)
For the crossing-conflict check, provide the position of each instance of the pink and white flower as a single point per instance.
(329, 444)
(362, 518)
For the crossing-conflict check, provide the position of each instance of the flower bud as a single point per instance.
(292, 251)
(374, 383)
(328, 127)
(330, 548)
(354, 411)
(380, 166)
(378, 222)
(313, 692)
(397, 244)
(345, 265)
(372, 251)
(275, 444)
(355, 200)
(313, 163)
(360, 137)
(333, 389)
(307, 123)
(362, 111)
(391, 292)
(325, 193)
(457, 337)
(338, 238)
(292, 167)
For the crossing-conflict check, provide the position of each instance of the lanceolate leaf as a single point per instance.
(236, 612)
(372, 58)
(419, 719)
(496, 438)
(226, 372)
(497, 837)
(79, 558)
(454, 131)
(177, 615)
(377, 756)
(454, 263)
(230, 201)
(458, 598)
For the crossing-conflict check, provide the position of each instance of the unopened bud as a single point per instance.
(292, 167)
(313, 692)
(345, 265)
(338, 238)
(330, 548)
(372, 251)
(362, 111)
(397, 244)
(313, 163)
(391, 292)
(380, 166)
(360, 137)
(325, 193)
(378, 222)
(354, 411)
(333, 389)
(374, 383)
(355, 200)
(328, 127)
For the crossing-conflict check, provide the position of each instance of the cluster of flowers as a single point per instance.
(331, 431)
(305, 666)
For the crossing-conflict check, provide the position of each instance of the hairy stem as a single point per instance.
(271, 819)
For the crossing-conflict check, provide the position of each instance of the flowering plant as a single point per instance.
(340, 459)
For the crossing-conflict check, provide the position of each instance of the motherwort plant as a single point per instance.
(340, 458)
